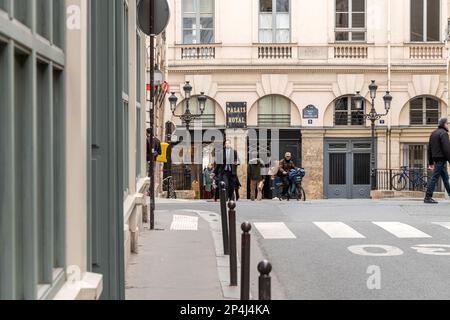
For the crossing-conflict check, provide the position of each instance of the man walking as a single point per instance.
(227, 170)
(254, 172)
(438, 156)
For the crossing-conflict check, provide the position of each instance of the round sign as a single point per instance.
(162, 16)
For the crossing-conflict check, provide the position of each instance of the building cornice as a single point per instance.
(208, 69)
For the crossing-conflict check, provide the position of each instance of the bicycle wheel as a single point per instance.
(398, 182)
(301, 195)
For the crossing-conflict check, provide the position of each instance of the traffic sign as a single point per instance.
(161, 14)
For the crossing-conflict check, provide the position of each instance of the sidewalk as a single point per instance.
(174, 264)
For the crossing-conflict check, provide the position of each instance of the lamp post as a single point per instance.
(187, 116)
(373, 116)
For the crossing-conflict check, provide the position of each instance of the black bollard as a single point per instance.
(264, 268)
(223, 210)
(245, 261)
(233, 250)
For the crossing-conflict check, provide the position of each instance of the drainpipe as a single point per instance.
(388, 131)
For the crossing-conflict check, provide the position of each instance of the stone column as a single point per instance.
(238, 139)
(312, 161)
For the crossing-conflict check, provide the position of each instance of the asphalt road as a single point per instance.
(350, 249)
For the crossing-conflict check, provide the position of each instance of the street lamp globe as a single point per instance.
(373, 90)
(202, 102)
(173, 102)
(358, 98)
(387, 101)
(187, 90)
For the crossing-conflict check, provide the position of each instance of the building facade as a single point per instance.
(297, 65)
(73, 170)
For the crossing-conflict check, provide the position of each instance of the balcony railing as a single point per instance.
(426, 51)
(274, 51)
(350, 51)
(198, 52)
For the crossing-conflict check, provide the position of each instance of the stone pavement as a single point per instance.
(174, 264)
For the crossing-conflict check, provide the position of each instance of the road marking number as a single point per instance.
(375, 250)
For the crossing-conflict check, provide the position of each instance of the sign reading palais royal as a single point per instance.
(237, 115)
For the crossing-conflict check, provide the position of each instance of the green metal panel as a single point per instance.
(45, 172)
(26, 39)
(7, 179)
(59, 153)
(33, 134)
(106, 112)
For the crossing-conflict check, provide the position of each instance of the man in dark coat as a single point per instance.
(156, 146)
(438, 156)
(157, 151)
(226, 170)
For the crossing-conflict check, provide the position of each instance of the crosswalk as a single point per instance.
(341, 230)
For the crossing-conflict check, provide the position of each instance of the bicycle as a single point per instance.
(417, 180)
(167, 183)
(295, 188)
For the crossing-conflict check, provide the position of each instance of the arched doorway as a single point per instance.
(275, 130)
(347, 160)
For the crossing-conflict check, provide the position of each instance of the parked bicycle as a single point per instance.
(416, 179)
(167, 184)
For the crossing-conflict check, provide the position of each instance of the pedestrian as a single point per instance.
(208, 181)
(273, 175)
(156, 150)
(254, 172)
(237, 186)
(438, 156)
(226, 169)
(286, 164)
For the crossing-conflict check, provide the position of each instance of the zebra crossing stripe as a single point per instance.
(443, 224)
(339, 230)
(274, 230)
(184, 223)
(402, 230)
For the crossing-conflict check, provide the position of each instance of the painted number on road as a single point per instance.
(374, 250)
(433, 249)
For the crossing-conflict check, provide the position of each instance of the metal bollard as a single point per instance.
(233, 250)
(264, 268)
(245, 261)
(223, 210)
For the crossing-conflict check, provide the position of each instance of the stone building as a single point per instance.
(297, 66)
(72, 147)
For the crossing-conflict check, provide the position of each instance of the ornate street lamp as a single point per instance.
(188, 117)
(373, 116)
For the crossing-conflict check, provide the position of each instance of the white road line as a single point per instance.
(402, 230)
(184, 223)
(339, 230)
(274, 230)
(443, 224)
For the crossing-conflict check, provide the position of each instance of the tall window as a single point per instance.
(424, 111)
(350, 20)
(274, 21)
(425, 19)
(198, 21)
(274, 111)
(346, 114)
